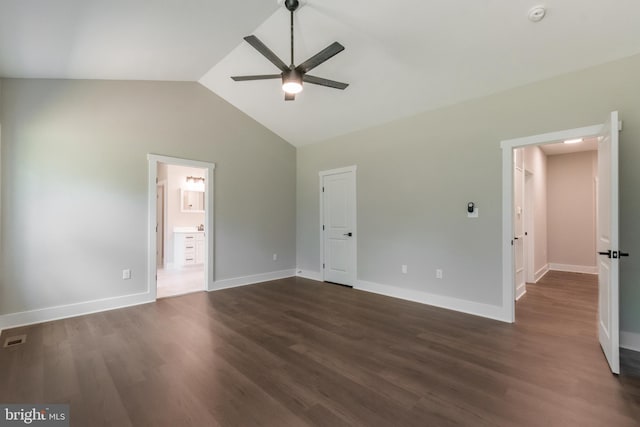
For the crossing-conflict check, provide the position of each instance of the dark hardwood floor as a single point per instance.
(296, 352)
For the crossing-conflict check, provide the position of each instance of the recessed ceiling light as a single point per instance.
(573, 141)
(536, 13)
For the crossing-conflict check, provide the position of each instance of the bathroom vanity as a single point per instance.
(188, 246)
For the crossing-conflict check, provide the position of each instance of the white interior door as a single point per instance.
(160, 225)
(608, 260)
(339, 227)
(529, 234)
(518, 224)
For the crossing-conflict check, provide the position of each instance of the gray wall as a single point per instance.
(74, 185)
(416, 175)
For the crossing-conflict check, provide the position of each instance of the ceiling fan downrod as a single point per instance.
(291, 6)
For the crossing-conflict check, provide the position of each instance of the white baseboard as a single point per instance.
(309, 274)
(520, 291)
(249, 280)
(540, 273)
(630, 340)
(479, 309)
(587, 269)
(31, 317)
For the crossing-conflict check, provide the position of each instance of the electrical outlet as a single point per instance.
(438, 273)
(275, 257)
(126, 274)
(404, 269)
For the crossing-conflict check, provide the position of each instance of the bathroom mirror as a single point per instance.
(191, 201)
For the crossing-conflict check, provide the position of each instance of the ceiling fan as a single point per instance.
(292, 76)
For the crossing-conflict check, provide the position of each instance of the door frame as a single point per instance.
(209, 248)
(508, 278)
(322, 174)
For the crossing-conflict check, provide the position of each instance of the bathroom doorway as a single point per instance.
(181, 218)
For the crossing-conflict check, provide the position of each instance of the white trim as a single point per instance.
(587, 269)
(551, 137)
(478, 309)
(31, 317)
(321, 174)
(522, 289)
(209, 273)
(338, 171)
(630, 340)
(250, 280)
(309, 274)
(540, 273)
(508, 285)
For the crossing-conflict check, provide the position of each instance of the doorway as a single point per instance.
(338, 237)
(180, 226)
(607, 226)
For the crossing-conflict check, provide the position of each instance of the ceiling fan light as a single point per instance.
(292, 87)
(292, 82)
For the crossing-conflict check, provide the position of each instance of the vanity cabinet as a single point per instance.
(188, 248)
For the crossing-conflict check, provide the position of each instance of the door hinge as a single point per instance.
(512, 243)
(322, 265)
(156, 180)
(323, 189)
(619, 125)
(323, 227)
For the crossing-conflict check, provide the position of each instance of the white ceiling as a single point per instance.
(588, 144)
(122, 39)
(401, 58)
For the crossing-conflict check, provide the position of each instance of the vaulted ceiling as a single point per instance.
(401, 58)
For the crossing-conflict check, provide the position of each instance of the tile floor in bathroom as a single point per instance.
(178, 281)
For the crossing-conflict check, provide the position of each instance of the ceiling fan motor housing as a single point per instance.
(291, 5)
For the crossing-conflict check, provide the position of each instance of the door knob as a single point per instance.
(348, 234)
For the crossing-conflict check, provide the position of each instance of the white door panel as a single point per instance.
(608, 258)
(339, 223)
(518, 223)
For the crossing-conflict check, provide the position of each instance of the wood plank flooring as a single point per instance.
(295, 352)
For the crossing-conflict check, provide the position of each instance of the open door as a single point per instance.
(518, 224)
(608, 250)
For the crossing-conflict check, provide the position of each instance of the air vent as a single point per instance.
(14, 341)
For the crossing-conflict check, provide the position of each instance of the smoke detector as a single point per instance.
(537, 13)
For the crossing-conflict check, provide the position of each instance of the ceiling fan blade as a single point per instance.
(289, 96)
(266, 52)
(259, 77)
(327, 53)
(324, 82)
